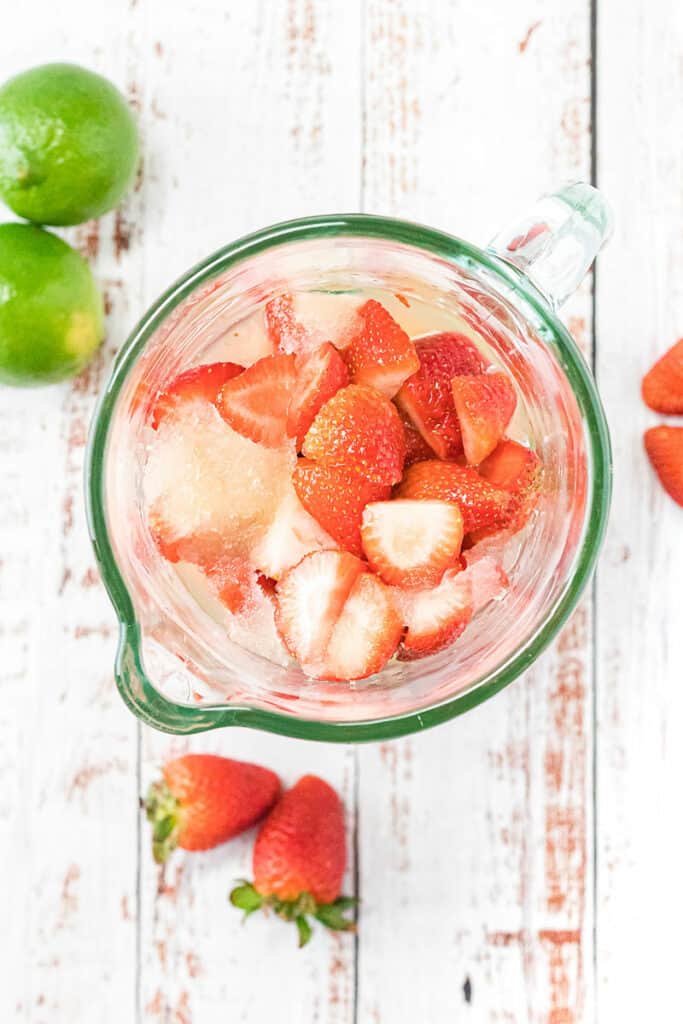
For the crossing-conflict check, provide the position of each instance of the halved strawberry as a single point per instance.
(411, 543)
(366, 634)
(336, 496)
(199, 382)
(484, 404)
(426, 397)
(302, 321)
(481, 503)
(663, 384)
(358, 428)
(664, 447)
(310, 598)
(320, 374)
(518, 469)
(417, 449)
(436, 617)
(256, 403)
(381, 354)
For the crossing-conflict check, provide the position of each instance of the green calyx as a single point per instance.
(163, 813)
(245, 897)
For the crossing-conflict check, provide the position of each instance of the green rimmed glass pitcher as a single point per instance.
(175, 668)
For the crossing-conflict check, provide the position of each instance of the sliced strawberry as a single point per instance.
(481, 503)
(336, 496)
(518, 469)
(417, 449)
(664, 447)
(358, 428)
(426, 397)
(436, 617)
(199, 382)
(484, 404)
(256, 403)
(663, 384)
(366, 634)
(302, 321)
(310, 598)
(381, 354)
(412, 543)
(292, 534)
(320, 374)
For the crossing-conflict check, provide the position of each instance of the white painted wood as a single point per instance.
(249, 120)
(68, 748)
(640, 641)
(476, 838)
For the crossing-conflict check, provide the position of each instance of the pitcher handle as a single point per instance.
(558, 239)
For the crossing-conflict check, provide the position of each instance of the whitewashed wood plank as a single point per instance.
(640, 642)
(68, 749)
(250, 120)
(476, 838)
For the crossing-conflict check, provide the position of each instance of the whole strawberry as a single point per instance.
(299, 860)
(203, 800)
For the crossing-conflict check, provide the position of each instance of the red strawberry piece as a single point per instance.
(411, 543)
(484, 404)
(267, 584)
(256, 403)
(417, 449)
(426, 397)
(518, 469)
(203, 800)
(202, 382)
(299, 860)
(381, 354)
(359, 428)
(335, 496)
(664, 447)
(302, 321)
(319, 375)
(366, 634)
(310, 598)
(434, 617)
(481, 503)
(663, 384)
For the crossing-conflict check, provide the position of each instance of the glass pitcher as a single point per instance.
(175, 668)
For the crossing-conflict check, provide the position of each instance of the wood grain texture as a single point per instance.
(640, 641)
(68, 748)
(476, 839)
(250, 121)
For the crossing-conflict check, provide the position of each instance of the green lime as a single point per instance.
(51, 316)
(68, 144)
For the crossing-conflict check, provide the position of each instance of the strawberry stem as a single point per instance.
(163, 812)
(245, 897)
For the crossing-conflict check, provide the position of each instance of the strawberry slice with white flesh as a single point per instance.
(412, 543)
(435, 618)
(201, 382)
(366, 634)
(484, 404)
(256, 404)
(310, 599)
(319, 375)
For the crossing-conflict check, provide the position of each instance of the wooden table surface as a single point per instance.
(519, 864)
